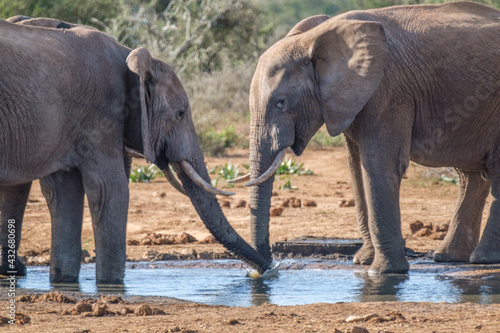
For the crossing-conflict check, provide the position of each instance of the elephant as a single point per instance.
(72, 102)
(406, 83)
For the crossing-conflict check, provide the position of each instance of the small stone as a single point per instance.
(309, 203)
(438, 236)
(478, 327)
(286, 203)
(99, 309)
(225, 204)
(83, 307)
(132, 242)
(275, 193)
(241, 204)
(346, 203)
(357, 329)
(416, 226)
(143, 310)
(159, 195)
(276, 211)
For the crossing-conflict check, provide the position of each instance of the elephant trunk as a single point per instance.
(260, 202)
(212, 216)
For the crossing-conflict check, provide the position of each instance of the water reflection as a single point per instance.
(301, 282)
(384, 288)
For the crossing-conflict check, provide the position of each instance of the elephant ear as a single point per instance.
(140, 61)
(349, 58)
(307, 24)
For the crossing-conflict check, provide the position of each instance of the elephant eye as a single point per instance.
(281, 104)
(179, 115)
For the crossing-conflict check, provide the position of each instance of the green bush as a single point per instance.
(290, 167)
(144, 174)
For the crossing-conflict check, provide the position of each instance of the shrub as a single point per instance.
(144, 174)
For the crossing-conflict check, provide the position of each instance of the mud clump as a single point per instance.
(276, 211)
(419, 229)
(225, 204)
(346, 203)
(164, 239)
(53, 296)
(210, 239)
(143, 310)
(125, 311)
(99, 309)
(83, 307)
(310, 203)
(240, 204)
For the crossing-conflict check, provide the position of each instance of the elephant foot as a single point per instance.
(383, 265)
(6, 267)
(445, 253)
(365, 254)
(486, 254)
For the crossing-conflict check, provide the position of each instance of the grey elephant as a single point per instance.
(71, 101)
(402, 83)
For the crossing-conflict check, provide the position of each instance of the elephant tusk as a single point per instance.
(241, 179)
(196, 178)
(270, 172)
(133, 153)
(173, 180)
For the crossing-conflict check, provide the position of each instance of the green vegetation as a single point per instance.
(213, 45)
(227, 172)
(144, 174)
(290, 167)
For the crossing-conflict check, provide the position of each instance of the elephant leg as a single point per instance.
(463, 234)
(107, 192)
(488, 249)
(365, 254)
(13, 199)
(64, 194)
(382, 180)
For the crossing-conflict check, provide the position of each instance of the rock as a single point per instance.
(99, 309)
(23, 298)
(276, 211)
(160, 195)
(205, 255)
(132, 242)
(416, 226)
(85, 254)
(167, 256)
(225, 204)
(353, 319)
(346, 203)
(143, 310)
(90, 260)
(309, 203)
(233, 322)
(241, 204)
(83, 307)
(184, 238)
(275, 193)
(54, 296)
(209, 240)
(438, 236)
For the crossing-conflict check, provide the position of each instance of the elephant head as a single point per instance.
(168, 137)
(323, 72)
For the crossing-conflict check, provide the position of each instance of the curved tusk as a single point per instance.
(133, 153)
(241, 179)
(196, 178)
(173, 180)
(270, 172)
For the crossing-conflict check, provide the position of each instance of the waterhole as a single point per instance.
(300, 281)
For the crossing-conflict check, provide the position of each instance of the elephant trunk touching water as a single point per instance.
(83, 99)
